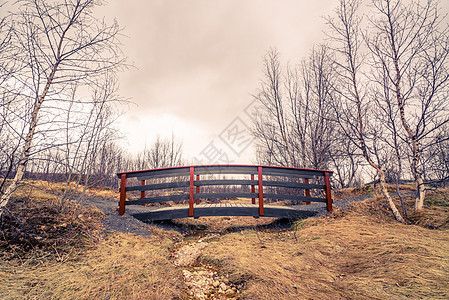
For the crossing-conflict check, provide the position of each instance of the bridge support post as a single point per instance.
(259, 173)
(327, 183)
(191, 189)
(253, 190)
(121, 209)
(307, 191)
(197, 189)
(142, 193)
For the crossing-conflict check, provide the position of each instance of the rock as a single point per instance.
(223, 286)
(188, 254)
(216, 283)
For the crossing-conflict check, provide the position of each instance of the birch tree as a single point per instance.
(409, 45)
(58, 44)
(397, 73)
(11, 118)
(353, 107)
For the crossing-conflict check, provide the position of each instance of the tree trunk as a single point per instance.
(383, 186)
(384, 189)
(420, 194)
(27, 146)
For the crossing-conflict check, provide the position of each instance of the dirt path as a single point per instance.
(113, 222)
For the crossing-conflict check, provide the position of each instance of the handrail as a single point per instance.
(195, 195)
(219, 166)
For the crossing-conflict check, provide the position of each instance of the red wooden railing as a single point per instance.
(194, 195)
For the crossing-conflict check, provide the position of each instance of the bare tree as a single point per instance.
(162, 153)
(293, 127)
(94, 132)
(436, 159)
(410, 48)
(311, 110)
(59, 44)
(345, 161)
(11, 116)
(392, 137)
(108, 164)
(353, 107)
(271, 126)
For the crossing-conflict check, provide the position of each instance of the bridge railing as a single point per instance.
(274, 177)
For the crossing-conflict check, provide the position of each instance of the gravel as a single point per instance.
(320, 208)
(113, 222)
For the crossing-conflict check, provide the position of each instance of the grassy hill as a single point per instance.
(53, 249)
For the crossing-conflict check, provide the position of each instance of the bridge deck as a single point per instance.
(222, 209)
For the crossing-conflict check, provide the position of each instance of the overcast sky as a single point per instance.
(198, 62)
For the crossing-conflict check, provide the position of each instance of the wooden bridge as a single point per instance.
(276, 183)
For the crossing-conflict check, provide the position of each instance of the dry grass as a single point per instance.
(55, 189)
(34, 229)
(432, 218)
(435, 214)
(53, 253)
(353, 257)
(120, 266)
(224, 224)
(358, 254)
(370, 189)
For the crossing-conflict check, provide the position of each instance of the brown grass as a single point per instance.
(370, 189)
(353, 257)
(357, 254)
(435, 214)
(223, 224)
(53, 253)
(120, 266)
(54, 189)
(34, 229)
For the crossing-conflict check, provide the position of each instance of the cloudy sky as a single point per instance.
(198, 62)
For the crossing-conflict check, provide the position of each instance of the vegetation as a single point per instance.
(59, 65)
(361, 253)
(66, 254)
(369, 103)
(366, 104)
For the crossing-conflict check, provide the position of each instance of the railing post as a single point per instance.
(191, 189)
(327, 183)
(121, 209)
(307, 191)
(197, 189)
(142, 193)
(259, 173)
(253, 190)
